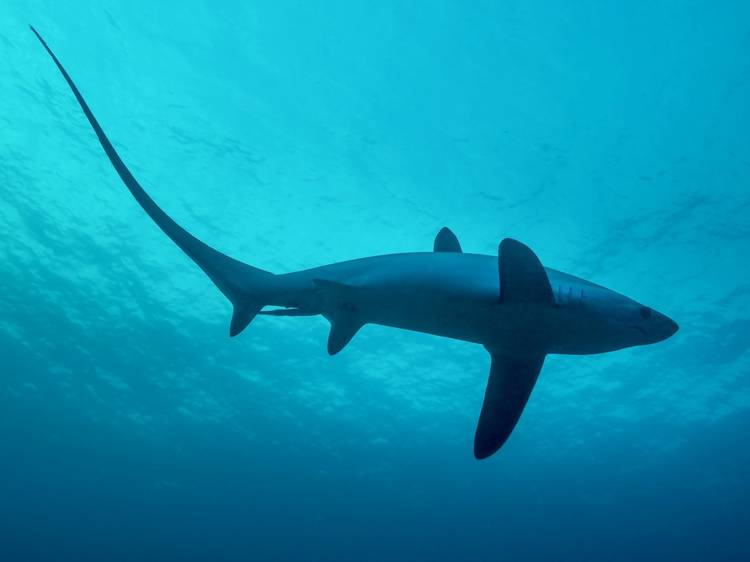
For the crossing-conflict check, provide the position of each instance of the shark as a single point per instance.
(518, 309)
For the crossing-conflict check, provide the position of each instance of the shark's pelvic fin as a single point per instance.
(341, 312)
(508, 389)
(446, 241)
(522, 276)
(343, 329)
(245, 286)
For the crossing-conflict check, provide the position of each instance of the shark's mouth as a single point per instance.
(639, 329)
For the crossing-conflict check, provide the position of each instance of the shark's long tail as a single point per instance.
(247, 288)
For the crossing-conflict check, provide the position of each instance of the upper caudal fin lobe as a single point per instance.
(246, 287)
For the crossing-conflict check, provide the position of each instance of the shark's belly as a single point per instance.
(455, 296)
(433, 312)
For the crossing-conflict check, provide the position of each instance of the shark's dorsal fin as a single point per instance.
(508, 389)
(341, 312)
(522, 276)
(446, 241)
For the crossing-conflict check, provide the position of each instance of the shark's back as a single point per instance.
(466, 275)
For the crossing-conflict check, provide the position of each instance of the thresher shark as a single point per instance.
(519, 310)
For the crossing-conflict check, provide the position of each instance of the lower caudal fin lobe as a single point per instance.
(245, 286)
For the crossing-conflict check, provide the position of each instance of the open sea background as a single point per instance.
(611, 137)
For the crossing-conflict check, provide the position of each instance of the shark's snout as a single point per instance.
(654, 326)
(673, 327)
(664, 327)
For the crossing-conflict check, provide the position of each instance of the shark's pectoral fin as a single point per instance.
(522, 276)
(523, 280)
(508, 389)
(446, 241)
(341, 311)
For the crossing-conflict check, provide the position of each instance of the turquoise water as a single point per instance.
(610, 138)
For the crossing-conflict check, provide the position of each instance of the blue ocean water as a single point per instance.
(610, 137)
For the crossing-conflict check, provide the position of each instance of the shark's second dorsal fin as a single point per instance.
(341, 311)
(446, 241)
(522, 276)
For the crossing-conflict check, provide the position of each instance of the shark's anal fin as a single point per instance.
(288, 312)
(446, 241)
(341, 311)
(522, 276)
(508, 388)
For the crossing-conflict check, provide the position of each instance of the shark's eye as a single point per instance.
(645, 312)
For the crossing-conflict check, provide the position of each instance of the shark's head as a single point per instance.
(636, 324)
(623, 322)
(604, 320)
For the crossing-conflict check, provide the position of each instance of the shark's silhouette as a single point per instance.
(517, 309)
